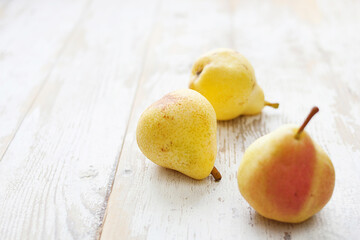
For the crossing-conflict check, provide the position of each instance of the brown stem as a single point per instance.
(216, 174)
(273, 105)
(313, 111)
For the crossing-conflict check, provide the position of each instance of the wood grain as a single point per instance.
(303, 56)
(56, 174)
(151, 195)
(76, 75)
(29, 49)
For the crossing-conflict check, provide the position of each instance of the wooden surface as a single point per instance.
(76, 75)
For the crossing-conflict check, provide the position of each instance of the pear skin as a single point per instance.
(285, 176)
(179, 132)
(227, 80)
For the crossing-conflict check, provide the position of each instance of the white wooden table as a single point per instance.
(76, 75)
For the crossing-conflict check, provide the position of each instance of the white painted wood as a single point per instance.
(57, 172)
(148, 201)
(76, 75)
(29, 48)
(304, 54)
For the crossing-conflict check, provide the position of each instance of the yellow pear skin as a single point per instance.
(227, 80)
(284, 178)
(179, 132)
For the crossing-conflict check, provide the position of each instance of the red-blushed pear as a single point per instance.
(285, 175)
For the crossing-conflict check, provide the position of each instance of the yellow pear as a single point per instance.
(227, 80)
(179, 132)
(286, 176)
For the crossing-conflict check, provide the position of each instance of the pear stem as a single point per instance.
(313, 111)
(273, 105)
(216, 174)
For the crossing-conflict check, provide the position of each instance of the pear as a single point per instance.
(227, 80)
(285, 175)
(179, 132)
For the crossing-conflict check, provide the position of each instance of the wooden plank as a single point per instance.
(148, 201)
(29, 48)
(56, 174)
(300, 60)
(297, 66)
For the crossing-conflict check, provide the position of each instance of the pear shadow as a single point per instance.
(281, 227)
(263, 221)
(173, 186)
(176, 176)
